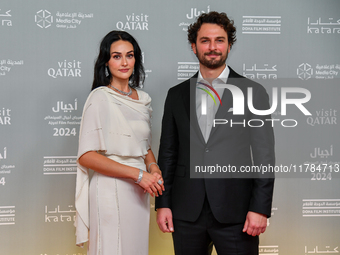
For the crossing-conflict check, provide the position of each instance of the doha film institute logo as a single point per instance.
(43, 19)
(305, 71)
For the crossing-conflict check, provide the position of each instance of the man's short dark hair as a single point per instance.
(213, 17)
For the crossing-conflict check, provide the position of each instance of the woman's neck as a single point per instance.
(122, 85)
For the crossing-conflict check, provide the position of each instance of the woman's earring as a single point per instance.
(106, 71)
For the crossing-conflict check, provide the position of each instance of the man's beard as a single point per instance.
(213, 63)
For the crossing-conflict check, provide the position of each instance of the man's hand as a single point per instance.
(164, 220)
(255, 224)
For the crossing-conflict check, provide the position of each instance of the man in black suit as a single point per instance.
(228, 210)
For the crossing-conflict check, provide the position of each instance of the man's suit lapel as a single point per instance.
(189, 100)
(227, 102)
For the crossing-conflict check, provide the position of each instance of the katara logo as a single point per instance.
(44, 19)
(204, 99)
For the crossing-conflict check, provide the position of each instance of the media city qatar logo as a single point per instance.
(239, 102)
(305, 71)
(43, 18)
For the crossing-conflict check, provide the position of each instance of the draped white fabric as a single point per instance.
(112, 124)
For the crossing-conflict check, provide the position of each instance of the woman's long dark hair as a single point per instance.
(100, 79)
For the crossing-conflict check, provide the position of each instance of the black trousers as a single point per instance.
(198, 238)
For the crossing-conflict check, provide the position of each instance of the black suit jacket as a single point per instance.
(240, 145)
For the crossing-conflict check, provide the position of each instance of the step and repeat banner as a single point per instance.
(47, 54)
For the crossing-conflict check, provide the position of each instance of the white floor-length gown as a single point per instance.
(113, 213)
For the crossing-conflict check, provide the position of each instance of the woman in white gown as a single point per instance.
(115, 141)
